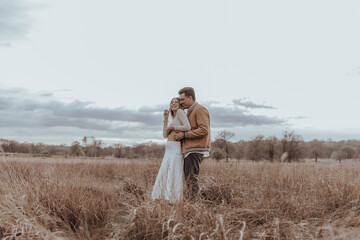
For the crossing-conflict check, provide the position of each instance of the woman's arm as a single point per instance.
(184, 121)
(166, 117)
(165, 134)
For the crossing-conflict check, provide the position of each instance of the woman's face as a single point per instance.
(175, 104)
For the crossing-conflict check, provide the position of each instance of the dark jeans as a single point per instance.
(191, 172)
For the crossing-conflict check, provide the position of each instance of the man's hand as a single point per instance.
(179, 136)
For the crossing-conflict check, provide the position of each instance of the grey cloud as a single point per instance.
(208, 103)
(158, 108)
(223, 116)
(77, 110)
(14, 20)
(22, 109)
(5, 44)
(45, 94)
(4, 103)
(299, 118)
(12, 91)
(63, 90)
(250, 104)
(84, 114)
(37, 108)
(356, 70)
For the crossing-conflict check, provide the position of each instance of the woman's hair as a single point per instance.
(171, 111)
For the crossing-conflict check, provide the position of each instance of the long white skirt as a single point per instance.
(169, 181)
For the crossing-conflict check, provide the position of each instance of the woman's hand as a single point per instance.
(166, 115)
(170, 129)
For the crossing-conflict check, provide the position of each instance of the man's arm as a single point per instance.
(203, 122)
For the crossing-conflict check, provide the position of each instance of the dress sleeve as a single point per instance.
(185, 124)
(165, 135)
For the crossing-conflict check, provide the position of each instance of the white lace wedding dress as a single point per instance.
(169, 181)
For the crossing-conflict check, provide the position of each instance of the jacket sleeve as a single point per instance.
(181, 115)
(165, 135)
(203, 123)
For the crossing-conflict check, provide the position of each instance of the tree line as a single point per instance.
(272, 148)
(290, 147)
(88, 147)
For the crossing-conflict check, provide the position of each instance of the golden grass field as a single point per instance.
(64, 198)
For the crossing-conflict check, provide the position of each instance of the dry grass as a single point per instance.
(110, 199)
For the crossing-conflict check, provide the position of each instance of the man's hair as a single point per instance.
(188, 91)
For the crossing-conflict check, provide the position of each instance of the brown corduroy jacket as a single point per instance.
(198, 138)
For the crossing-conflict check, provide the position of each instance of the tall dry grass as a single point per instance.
(111, 199)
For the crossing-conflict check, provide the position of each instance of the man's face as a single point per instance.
(185, 101)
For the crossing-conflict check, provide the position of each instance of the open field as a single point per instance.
(110, 199)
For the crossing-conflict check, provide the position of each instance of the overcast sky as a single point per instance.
(108, 69)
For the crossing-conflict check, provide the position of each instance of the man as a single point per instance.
(196, 142)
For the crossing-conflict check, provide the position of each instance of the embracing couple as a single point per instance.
(188, 142)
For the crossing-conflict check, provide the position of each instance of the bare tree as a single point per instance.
(95, 148)
(118, 151)
(316, 149)
(239, 152)
(345, 153)
(84, 140)
(255, 148)
(224, 136)
(337, 156)
(291, 144)
(271, 144)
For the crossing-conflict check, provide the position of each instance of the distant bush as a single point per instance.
(76, 150)
(348, 152)
(218, 155)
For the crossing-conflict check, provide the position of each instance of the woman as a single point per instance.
(168, 183)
